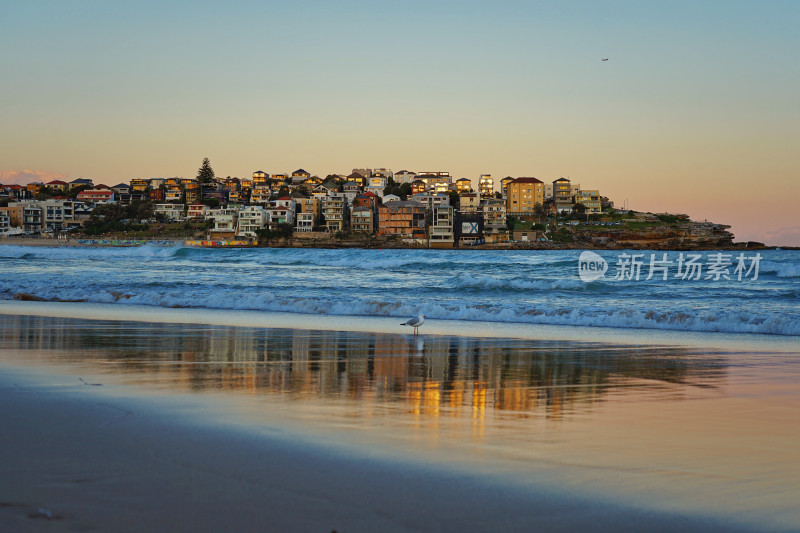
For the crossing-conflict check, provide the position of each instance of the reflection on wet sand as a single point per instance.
(430, 376)
(704, 431)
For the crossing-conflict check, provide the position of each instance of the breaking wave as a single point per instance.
(487, 286)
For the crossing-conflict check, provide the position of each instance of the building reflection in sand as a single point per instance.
(429, 376)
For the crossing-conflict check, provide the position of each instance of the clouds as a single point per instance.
(786, 236)
(26, 175)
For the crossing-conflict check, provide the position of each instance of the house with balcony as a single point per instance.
(321, 192)
(34, 188)
(401, 218)
(404, 176)
(174, 193)
(96, 196)
(486, 185)
(260, 194)
(236, 197)
(58, 214)
(312, 182)
(463, 185)
(305, 222)
(280, 215)
(157, 195)
(562, 194)
(418, 187)
(260, 177)
(494, 220)
(362, 220)
(192, 192)
(121, 188)
(440, 233)
(504, 185)
(350, 190)
(434, 181)
(430, 200)
(139, 184)
(590, 200)
(5, 223)
(197, 211)
(58, 185)
(15, 213)
(32, 217)
(368, 199)
(171, 212)
(335, 213)
(301, 175)
(306, 205)
(251, 219)
(80, 182)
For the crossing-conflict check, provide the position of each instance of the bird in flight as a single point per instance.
(415, 323)
(605, 59)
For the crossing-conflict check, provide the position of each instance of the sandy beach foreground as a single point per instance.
(76, 458)
(119, 425)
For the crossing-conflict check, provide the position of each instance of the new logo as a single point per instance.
(591, 266)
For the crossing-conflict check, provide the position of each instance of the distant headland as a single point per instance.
(368, 208)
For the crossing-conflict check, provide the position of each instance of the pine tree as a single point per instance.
(205, 173)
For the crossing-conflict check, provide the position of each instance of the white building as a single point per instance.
(250, 220)
(441, 230)
(305, 222)
(170, 211)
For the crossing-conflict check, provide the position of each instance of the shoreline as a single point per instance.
(365, 324)
(73, 242)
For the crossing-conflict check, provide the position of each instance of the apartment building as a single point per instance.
(251, 219)
(494, 220)
(441, 231)
(590, 200)
(486, 185)
(463, 185)
(523, 194)
(401, 218)
(334, 211)
(362, 220)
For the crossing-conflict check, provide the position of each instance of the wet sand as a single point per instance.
(75, 460)
(128, 426)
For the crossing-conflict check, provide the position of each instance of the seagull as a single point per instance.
(415, 323)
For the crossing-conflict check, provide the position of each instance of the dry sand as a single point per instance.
(77, 457)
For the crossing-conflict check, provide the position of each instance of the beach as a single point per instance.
(126, 425)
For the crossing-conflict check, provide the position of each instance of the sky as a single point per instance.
(696, 110)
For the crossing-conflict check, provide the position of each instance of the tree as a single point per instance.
(205, 174)
(455, 199)
(579, 209)
(539, 211)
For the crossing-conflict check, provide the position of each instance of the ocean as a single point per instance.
(528, 287)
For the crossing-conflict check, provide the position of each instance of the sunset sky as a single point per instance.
(697, 109)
